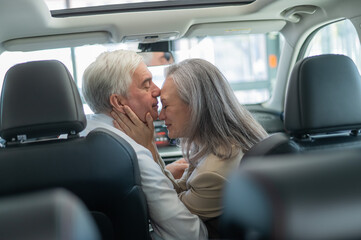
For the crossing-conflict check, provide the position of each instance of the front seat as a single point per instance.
(322, 108)
(39, 102)
(308, 196)
(54, 214)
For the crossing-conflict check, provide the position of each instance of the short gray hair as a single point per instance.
(220, 124)
(111, 73)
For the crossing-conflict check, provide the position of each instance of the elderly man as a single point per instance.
(121, 78)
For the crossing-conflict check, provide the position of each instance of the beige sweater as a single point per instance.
(201, 187)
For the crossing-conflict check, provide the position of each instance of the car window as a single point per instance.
(75, 59)
(336, 38)
(248, 61)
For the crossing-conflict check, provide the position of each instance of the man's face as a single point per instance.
(143, 93)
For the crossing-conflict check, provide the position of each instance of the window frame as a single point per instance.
(303, 50)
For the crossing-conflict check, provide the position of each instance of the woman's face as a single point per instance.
(175, 112)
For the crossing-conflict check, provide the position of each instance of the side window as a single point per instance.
(9, 59)
(336, 38)
(75, 59)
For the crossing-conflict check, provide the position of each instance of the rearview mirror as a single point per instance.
(157, 58)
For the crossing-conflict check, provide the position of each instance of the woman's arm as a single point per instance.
(204, 195)
(130, 124)
(177, 168)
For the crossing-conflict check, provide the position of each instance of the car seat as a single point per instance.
(321, 108)
(308, 196)
(39, 102)
(54, 214)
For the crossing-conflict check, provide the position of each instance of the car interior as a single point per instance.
(295, 65)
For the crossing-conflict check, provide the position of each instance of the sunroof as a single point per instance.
(69, 8)
(66, 4)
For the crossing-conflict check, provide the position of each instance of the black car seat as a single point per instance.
(313, 195)
(39, 102)
(54, 214)
(321, 108)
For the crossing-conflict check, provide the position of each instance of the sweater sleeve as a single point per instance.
(204, 195)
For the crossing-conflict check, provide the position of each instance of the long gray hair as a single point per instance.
(219, 124)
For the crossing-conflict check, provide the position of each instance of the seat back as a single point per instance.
(323, 96)
(277, 143)
(53, 215)
(321, 107)
(308, 196)
(39, 102)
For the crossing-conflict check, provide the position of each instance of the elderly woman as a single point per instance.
(199, 108)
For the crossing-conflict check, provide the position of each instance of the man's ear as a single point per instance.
(117, 101)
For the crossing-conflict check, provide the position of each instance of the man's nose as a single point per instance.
(155, 91)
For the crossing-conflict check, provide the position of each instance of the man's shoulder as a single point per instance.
(96, 123)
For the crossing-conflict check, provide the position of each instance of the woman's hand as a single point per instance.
(177, 168)
(130, 124)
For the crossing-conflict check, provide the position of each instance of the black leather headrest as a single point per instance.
(292, 197)
(40, 99)
(323, 95)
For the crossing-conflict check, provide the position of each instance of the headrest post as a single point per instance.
(355, 132)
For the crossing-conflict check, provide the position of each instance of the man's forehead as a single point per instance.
(145, 72)
(142, 72)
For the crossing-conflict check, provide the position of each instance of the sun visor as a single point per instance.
(57, 41)
(234, 28)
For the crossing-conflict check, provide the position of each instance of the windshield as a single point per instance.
(249, 61)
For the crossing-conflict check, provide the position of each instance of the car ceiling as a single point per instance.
(24, 22)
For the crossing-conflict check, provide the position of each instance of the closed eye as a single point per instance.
(146, 84)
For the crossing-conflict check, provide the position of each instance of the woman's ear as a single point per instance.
(117, 101)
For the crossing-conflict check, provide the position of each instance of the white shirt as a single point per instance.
(170, 219)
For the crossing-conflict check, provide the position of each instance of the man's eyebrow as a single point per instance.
(146, 80)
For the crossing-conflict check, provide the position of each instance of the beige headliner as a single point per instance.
(22, 21)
